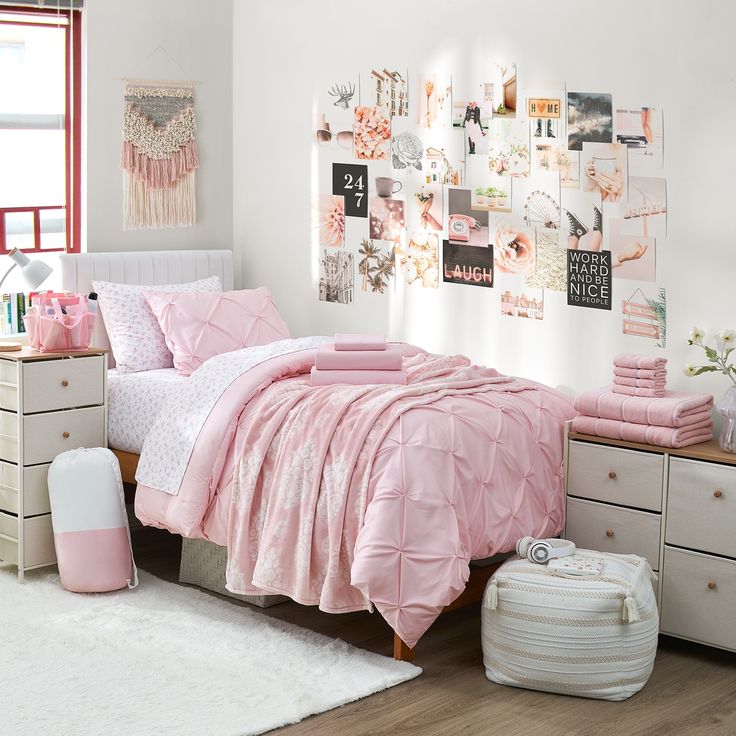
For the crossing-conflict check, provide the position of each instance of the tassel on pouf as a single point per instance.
(631, 612)
(490, 599)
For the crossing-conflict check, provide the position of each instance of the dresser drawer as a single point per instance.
(612, 529)
(35, 489)
(38, 540)
(691, 608)
(701, 506)
(615, 475)
(46, 435)
(50, 385)
(8, 385)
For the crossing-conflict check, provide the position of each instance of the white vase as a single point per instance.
(726, 406)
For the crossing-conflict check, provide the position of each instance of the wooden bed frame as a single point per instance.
(472, 594)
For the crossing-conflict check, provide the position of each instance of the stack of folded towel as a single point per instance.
(672, 420)
(358, 359)
(636, 375)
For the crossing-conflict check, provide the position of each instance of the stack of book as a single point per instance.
(14, 306)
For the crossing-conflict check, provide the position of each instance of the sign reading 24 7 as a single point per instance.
(351, 180)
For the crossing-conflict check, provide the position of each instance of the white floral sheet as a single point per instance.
(134, 400)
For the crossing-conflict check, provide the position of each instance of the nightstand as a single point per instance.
(49, 403)
(677, 508)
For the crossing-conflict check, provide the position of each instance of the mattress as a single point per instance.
(134, 401)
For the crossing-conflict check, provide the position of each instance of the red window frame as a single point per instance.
(72, 132)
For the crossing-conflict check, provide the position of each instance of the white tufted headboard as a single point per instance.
(78, 271)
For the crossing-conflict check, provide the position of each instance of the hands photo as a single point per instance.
(610, 187)
(630, 252)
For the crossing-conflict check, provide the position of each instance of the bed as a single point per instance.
(78, 271)
(386, 507)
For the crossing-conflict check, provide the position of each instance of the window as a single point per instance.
(40, 129)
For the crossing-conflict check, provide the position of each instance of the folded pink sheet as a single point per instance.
(357, 378)
(675, 409)
(647, 434)
(640, 382)
(654, 393)
(349, 341)
(329, 359)
(650, 374)
(629, 360)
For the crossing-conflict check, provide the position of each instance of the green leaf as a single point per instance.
(706, 369)
(712, 354)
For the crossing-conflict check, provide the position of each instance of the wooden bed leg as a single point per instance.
(402, 652)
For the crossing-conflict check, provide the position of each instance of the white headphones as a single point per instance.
(543, 550)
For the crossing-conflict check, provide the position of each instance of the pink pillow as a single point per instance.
(198, 326)
(135, 337)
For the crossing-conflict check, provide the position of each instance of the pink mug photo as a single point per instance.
(385, 186)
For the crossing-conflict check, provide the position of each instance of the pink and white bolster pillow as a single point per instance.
(91, 534)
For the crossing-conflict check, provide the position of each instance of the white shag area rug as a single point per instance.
(164, 659)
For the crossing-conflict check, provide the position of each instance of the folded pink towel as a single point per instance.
(674, 409)
(629, 360)
(348, 341)
(640, 373)
(640, 382)
(358, 378)
(377, 360)
(647, 434)
(631, 391)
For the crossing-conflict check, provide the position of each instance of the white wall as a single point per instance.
(659, 49)
(120, 37)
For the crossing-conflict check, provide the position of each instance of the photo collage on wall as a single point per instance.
(433, 179)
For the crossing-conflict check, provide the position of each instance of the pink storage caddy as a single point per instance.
(59, 322)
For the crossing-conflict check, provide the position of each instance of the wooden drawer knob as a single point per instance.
(609, 532)
(612, 474)
(712, 584)
(718, 493)
(65, 383)
(66, 435)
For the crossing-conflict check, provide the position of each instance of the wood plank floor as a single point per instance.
(692, 691)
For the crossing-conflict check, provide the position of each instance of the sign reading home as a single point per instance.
(351, 180)
(589, 278)
(543, 108)
(467, 264)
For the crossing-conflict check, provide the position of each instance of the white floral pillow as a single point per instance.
(136, 338)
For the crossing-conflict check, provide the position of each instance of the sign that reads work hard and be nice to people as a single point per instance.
(589, 276)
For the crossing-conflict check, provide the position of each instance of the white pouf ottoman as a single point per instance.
(594, 637)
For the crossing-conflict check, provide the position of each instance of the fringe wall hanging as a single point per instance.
(159, 155)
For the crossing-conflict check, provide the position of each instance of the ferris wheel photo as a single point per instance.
(541, 210)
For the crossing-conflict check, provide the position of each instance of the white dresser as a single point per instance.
(49, 403)
(677, 508)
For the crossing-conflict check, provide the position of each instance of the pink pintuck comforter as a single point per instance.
(351, 496)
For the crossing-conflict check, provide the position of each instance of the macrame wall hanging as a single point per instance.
(159, 155)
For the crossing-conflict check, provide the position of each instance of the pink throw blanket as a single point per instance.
(348, 496)
(349, 341)
(329, 359)
(298, 505)
(673, 410)
(650, 374)
(356, 377)
(629, 360)
(662, 436)
(653, 393)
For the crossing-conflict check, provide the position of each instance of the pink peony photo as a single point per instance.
(372, 133)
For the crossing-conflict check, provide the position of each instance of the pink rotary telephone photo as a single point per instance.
(460, 225)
